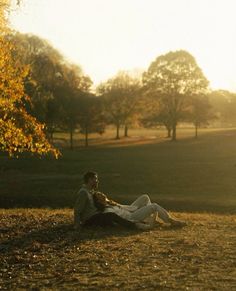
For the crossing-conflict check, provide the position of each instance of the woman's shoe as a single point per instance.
(175, 222)
(143, 226)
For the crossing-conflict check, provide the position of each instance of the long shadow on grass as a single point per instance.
(61, 236)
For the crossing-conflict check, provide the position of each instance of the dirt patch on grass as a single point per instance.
(39, 249)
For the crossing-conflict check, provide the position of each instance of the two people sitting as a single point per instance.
(92, 207)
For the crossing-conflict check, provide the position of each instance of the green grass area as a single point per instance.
(189, 175)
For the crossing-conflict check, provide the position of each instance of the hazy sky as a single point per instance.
(105, 36)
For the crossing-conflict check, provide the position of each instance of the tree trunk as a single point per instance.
(71, 138)
(174, 133)
(86, 136)
(126, 131)
(196, 130)
(118, 130)
(168, 131)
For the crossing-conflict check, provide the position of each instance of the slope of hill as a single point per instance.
(189, 175)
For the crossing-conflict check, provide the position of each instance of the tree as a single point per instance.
(121, 99)
(173, 78)
(91, 116)
(155, 114)
(29, 46)
(45, 71)
(19, 131)
(72, 88)
(160, 117)
(232, 109)
(224, 105)
(54, 84)
(200, 112)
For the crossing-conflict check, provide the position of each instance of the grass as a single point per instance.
(189, 175)
(39, 250)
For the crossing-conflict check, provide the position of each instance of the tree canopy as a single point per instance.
(172, 79)
(19, 131)
(121, 98)
(53, 84)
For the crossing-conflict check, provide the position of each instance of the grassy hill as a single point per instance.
(189, 175)
(39, 250)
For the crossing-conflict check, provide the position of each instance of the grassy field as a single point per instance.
(39, 250)
(187, 175)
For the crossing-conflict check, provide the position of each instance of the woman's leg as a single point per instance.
(146, 211)
(142, 200)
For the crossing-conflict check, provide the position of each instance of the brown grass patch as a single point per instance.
(39, 249)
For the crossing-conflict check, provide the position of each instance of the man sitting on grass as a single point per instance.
(94, 208)
(85, 211)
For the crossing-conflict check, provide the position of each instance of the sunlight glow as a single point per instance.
(109, 35)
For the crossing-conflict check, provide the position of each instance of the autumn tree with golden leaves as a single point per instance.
(19, 131)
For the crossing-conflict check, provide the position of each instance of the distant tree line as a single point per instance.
(172, 90)
(60, 94)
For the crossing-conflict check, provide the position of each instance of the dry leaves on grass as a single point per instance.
(40, 249)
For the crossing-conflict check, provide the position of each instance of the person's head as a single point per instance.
(91, 179)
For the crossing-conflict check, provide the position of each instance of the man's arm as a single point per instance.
(79, 207)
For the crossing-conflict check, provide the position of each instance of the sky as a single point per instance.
(105, 36)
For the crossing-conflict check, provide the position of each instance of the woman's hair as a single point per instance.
(88, 175)
(101, 201)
